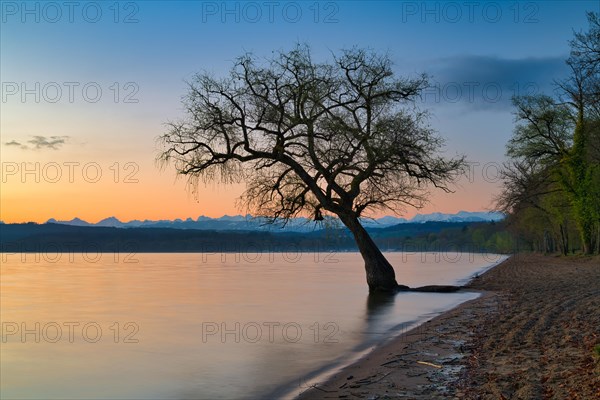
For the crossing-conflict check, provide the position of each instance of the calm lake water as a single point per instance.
(201, 326)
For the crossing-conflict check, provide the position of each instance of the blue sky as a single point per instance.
(478, 53)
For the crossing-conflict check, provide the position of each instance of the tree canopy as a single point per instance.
(305, 136)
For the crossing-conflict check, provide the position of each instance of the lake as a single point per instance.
(202, 326)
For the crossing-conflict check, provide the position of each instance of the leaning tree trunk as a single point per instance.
(380, 273)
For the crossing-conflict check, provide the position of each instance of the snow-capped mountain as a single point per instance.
(111, 222)
(461, 216)
(249, 223)
(73, 222)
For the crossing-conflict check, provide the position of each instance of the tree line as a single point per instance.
(551, 182)
(472, 237)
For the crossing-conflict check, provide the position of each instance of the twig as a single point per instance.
(399, 358)
(379, 378)
(322, 390)
(430, 364)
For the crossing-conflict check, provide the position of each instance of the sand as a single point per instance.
(530, 335)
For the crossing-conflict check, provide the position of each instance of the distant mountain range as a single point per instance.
(249, 223)
(427, 236)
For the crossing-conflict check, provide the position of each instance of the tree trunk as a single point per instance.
(586, 239)
(564, 239)
(380, 273)
(598, 238)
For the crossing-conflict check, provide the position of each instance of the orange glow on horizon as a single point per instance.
(166, 200)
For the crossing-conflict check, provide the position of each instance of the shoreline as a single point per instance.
(407, 348)
(480, 348)
(329, 371)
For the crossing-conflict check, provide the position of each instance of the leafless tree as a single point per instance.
(340, 138)
(525, 182)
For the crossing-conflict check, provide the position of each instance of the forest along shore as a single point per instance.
(531, 335)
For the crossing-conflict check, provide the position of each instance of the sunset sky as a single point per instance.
(88, 86)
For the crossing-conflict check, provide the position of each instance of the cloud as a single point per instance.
(52, 142)
(15, 143)
(41, 142)
(489, 83)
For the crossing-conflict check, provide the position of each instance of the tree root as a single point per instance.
(436, 289)
(423, 289)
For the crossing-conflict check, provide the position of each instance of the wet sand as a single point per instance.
(530, 335)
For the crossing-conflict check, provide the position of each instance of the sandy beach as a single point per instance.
(530, 335)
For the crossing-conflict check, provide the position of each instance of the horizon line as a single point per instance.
(247, 216)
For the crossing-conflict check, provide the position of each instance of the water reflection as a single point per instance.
(171, 296)
(379, 303)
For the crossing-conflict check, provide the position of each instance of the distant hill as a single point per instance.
(248, 223)
(426, 236)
